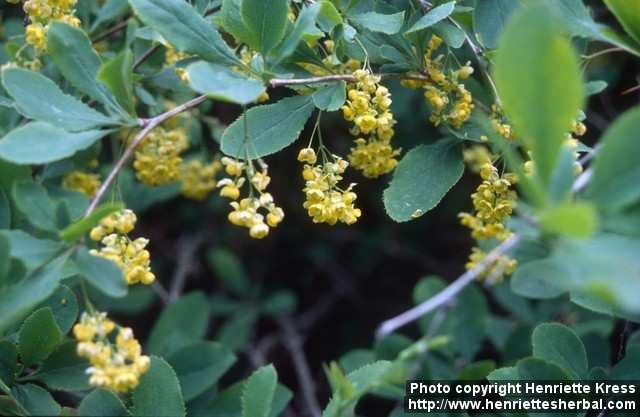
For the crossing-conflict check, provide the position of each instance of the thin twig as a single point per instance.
(280, 82)
(446, 295)
(111, 31)
(147, 126)
(187, 248)
(160, 292)
(293, 343)
(602, 52)
(145, 55)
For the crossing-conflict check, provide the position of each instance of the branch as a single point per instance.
(293, 343)
(187, 248)
(280, 82)
(147, 126)
(111, 31)
(445, 296)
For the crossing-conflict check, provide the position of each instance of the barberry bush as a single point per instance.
(126, 123)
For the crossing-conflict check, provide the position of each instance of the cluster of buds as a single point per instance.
(330, 63)
(172, 57)
(502, 267)
(368, 107)
(82, 182)
(325, 201)
(247, 211)
(577, 129)
(493, 204)
(130, 255)
(157, 158)
(198, 179)
(500, 124)
(43, 12)
(448, 98)
(115, 364)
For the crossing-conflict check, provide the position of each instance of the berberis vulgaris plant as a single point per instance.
(108, 107)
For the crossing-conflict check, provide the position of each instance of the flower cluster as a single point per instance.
(198, 179)
(325, 201)
(171, 57)
(500, 124)
(130, 255)
(368, 107)
(577, 129)
(43, 12)
(82, 182)
(448, 98)
(115, 365)
(493, 203)
(246, 211)
(157, 158)
(500, 268)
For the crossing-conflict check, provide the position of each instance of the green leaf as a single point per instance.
(5, 211)
(378, 22)
(17, 300)
(231, 21)
(64, 305)
(329, 16)
(71, 50)
(573, 219)
(270, 128)
(509, 373)
(180, 324)
(595, 87)
(8, 361)
(450, 34)
(102, 403)
(490, 18)
(560, 345)
(64, 369)
(258, 392)
(101, 273)
(422, 178)
(433, 16)
(36, 400)
(41, 143)
(330, 97)
(158, 393)
(536, 369)
(181, 25)
(39, 335)
(540, 279)
(628, 14)
(229, 271)
(5, 261)
(532, 48)
(224, 84)
(614, 184)
(117, 74)
(110, 10)
(579, 22)
(304, 23)
(32, 200)
(31, 251)
(235, 333)
(200, 365)
(39, 98)
(628, 368)
(266, 21)
(77, 229)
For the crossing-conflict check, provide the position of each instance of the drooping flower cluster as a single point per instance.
(130, 255)
(82, 182)
(448, 98)
(493, 204)
(198, 179)
(157, 158)
(43, 12)
(325, 201)
(247, 211)
(500, 124)
(368, 107)
(115, 364)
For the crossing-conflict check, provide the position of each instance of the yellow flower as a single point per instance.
(35, 35)
(307, 155)
(497, 271)
(82, 182)
(130, 255)
(116, 367)
(198, 179)
(157, 158)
